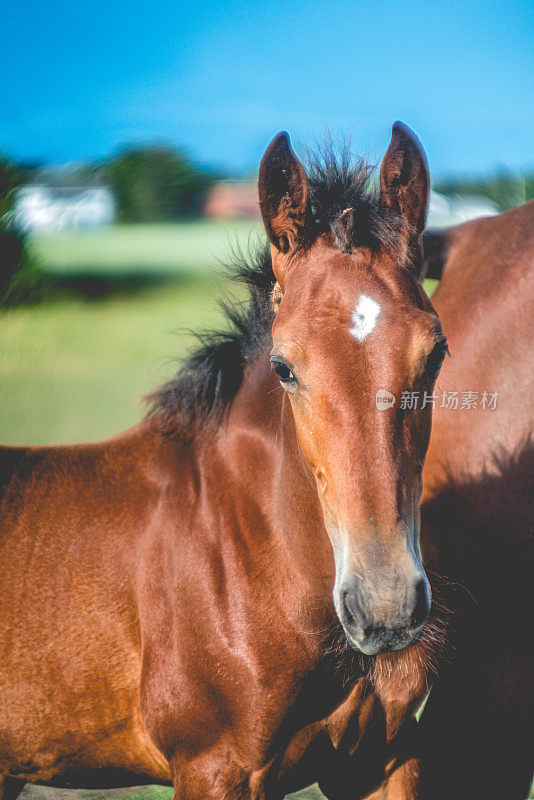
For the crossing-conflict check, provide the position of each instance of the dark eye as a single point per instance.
(435, 359)
(282, 370)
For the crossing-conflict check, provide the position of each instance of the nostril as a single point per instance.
(350, 612)
(347, 611)
(370, 631)
(421, 608)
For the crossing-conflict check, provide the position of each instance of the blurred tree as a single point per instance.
(529, 187)
(21, 280)
(505, 188)
(156, 184)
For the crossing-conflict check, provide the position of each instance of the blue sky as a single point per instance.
(221, 78)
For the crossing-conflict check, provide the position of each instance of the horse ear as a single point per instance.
(284, 194)
(404, 178)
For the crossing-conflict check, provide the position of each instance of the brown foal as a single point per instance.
(195, 600)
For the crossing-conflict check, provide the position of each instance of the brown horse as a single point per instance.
(176, 602)
(475, 739)
(477, 732)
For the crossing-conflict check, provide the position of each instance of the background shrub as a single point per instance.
(503, 187)
(156, 184)
(21, 279)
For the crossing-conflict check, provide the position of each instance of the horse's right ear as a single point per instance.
(284, 194)
(404, 178)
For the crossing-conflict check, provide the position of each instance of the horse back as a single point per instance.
(486, 305)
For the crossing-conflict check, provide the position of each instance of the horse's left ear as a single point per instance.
(405, 183)
(284, 194)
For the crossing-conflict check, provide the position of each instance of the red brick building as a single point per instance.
(233, 199)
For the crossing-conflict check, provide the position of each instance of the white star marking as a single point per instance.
(364, 317)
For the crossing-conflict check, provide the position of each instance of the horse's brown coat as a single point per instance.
(166, 602)
(478, 510)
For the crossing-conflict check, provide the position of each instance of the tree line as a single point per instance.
(156, 184)
(505, 188)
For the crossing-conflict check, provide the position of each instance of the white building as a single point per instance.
(453, 209)
(43, 207)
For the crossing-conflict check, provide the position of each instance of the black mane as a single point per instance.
(344, 200)
(210, 378)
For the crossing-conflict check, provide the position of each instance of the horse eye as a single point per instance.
(435, 359)
(283, 372)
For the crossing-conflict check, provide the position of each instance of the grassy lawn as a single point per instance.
(163, 249)
(75, 370)
(135, 793)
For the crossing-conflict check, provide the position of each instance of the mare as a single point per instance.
(478, 512)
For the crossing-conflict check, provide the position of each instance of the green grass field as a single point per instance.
(74, 369)
(136, 793)
(159, 249)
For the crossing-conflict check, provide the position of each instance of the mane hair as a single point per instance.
(344, 200)
(210, 377)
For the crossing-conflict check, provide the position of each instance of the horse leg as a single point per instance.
(402, 783)
(10, 788)
(375, 771)
(212, 776)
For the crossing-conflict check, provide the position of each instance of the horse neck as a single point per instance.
(277, 529)
(269, 486)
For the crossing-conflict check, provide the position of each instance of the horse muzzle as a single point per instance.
(377, 621)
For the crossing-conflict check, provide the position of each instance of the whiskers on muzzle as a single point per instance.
(407, 671)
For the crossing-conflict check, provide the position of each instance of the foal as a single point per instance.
(173, 599)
